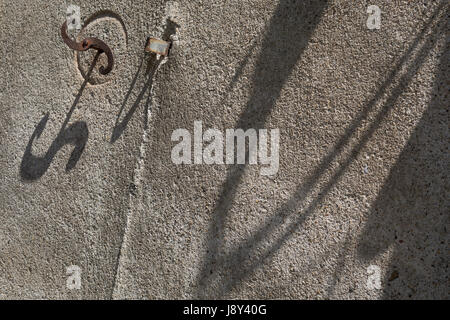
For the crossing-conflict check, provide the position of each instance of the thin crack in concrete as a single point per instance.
(135, 198)
(169, 28)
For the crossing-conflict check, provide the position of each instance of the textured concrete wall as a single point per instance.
(87, 177)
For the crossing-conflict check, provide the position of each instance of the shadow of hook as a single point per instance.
(33, 167)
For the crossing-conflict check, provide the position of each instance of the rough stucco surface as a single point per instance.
(87, 177)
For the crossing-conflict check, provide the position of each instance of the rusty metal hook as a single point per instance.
(89, 43)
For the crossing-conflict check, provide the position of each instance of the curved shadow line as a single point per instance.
(152, 67)
(33, 167)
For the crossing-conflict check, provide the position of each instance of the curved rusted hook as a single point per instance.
(88, 43)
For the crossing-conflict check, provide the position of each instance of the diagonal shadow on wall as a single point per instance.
(411, 213)
(287, 36)
(33, 167)
(238, 264)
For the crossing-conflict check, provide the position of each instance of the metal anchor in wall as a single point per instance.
(89, 43)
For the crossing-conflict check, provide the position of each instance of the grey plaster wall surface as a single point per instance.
(85, 161)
